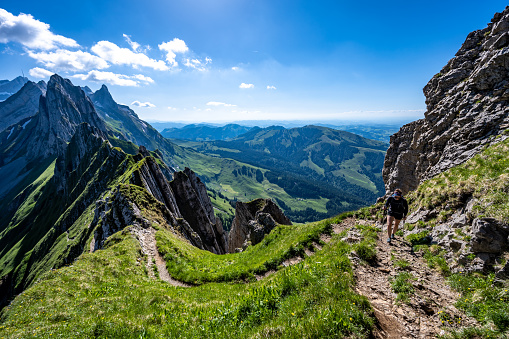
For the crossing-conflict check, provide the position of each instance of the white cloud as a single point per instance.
(70, 61)
(143, 78)
(173, 47)
(30, 32)
(216, 103)
(109, 77)
(235, 68)
(123, 56)
(172, 108)
(134, 45)
(197, 64)
(246, 86)
(142, 104)
(40, 73)
(271, 87)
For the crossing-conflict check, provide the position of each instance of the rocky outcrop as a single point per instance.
(152, 178)
(61, 111)
(252, 221)
(472, 244)
(467, 106)
(23, 104)
(196, 208)
(9, 87)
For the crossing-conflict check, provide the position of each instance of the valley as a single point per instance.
(111, 230)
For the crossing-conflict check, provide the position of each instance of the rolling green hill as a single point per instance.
(337, 168)
(205, 132)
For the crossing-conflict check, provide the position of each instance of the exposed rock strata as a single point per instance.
(196, 208)
(472, 244)
(252, 221)
(467, 106)
(22, 104)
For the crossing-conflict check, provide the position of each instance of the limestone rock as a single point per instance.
(196, 208)
(22, 104)
(467, 106)
(489, 236)
(252, 221)
(10, 87)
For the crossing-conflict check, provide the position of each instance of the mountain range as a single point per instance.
(9, 87)
(100, 237)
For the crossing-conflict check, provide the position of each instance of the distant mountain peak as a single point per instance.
(104, 98)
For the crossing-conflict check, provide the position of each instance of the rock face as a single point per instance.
(467, 106)
(46, 134)
(252, 221)
(196, 208)
(9, 87)
(22, 104)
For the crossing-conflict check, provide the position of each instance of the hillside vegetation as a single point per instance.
(108, 293)
(312, 172)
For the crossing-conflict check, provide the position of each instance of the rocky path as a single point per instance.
(430, 307)
(146, 237)
(427, 313)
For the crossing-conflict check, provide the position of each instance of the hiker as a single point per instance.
(398, 209)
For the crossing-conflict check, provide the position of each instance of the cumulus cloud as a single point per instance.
(123, 56)
(134, 45)
(30, 32)
(40, 73)
(62, 59)
(235, 68)
(216, 103)
(172, 48)
(142, 104)
(172, 108)
(112, 78)
(246, 86)
(271, 87)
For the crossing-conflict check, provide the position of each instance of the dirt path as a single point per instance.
(428, 312)
(429, 309)
(146, 237)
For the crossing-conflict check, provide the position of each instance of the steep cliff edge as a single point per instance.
(252, 221)
(22, 104)
(467, 106)
(196, 209)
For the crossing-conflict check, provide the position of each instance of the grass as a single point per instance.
(194, 266)
(402, 286)
(366, 248)
(108, 294)
(484, 177)
(402, 264)
(482, 299)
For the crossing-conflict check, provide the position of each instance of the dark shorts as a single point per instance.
(397, 216)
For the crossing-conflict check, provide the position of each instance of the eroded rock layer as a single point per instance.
(467, 107)
(252, 221)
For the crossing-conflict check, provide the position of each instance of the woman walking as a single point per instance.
(398, 209)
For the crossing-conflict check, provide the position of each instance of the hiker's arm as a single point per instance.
(405, 213)
(386, 203)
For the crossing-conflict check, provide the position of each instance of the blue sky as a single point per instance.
(231, 60)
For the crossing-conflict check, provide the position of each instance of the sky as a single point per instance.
(233, 60)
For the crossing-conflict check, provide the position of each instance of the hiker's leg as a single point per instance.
(390, 219)
(396, 224)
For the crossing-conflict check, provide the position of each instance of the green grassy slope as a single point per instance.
(311, 172)
(108, 294)
(229, 180)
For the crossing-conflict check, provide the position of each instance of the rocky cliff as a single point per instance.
(22, 104)
(467, 107)
(9, 87)
(252, 221)
(196, 208)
